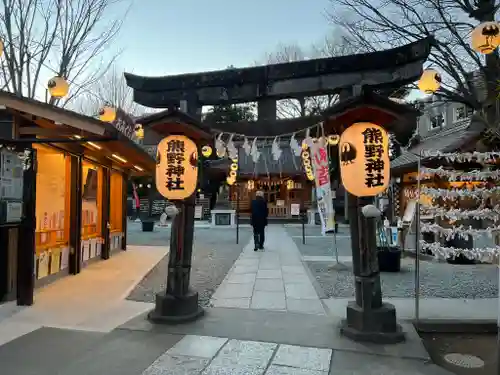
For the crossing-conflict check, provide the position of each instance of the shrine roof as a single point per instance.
(172, 121)
(447, 140)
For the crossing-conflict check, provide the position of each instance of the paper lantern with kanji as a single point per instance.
(485, 38)
(430, 81)
(58, 87)
(107, 114)
(176, 167)
(364, 159)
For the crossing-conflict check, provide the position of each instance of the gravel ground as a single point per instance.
(214, 252)
(439, 280)
(483, 346)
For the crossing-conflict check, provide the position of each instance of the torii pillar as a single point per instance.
(369, 319)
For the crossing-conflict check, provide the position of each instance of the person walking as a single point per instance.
(259, 219)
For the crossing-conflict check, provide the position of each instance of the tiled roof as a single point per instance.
(447, 140)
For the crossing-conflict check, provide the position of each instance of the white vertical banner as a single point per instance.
(324, 197)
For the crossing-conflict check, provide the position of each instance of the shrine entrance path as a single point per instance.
(271, 279)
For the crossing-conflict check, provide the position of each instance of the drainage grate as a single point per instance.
(464, 360)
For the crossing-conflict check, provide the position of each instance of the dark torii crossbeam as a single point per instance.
(386, 69)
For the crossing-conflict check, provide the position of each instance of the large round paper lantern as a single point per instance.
(58, 87)
(364, 159)
(485, 38)
(107, 114)
(176, 167)
(430, 81)
(206, 151)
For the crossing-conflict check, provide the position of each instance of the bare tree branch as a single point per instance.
(390, 23)
(64, 37)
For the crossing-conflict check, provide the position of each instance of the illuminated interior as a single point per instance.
(91, 236)
(52, 211)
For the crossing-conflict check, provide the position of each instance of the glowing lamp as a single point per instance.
(364, 159)
(310, 176)
(234, 167)
(485, 38)
(107, 114)
(289, 184)
(139, 131)
(430, 81)
(232, 174)
(230, 181)
(304, 145)
(333, 139)
(58, 87)
(250, 185)
(206, 151)
(174, 180)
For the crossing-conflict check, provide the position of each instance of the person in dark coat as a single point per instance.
(259, 219)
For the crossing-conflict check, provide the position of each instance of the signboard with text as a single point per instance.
(324, 198)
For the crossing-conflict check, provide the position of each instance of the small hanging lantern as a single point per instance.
(107, 114)
(235, 160)
(333, 139)
(58, 87)
(485, 38)
(139, 131)
(230, 181)
(430, 81)
(304, 145)
(289, 184)
(234, 167)
(206, 151)
(250, 185)
(310, 176)
(232, 174)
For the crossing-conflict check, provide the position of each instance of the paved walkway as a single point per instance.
(93, 300)
(273, 279)
(219, 356)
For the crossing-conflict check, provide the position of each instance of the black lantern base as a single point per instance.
(378, 326)
(170, 309)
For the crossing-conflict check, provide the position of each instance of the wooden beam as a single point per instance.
(35, 130)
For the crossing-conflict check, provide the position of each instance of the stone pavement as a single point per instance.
(273, 279)
(93, 300)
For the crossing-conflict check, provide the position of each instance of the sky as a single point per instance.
(163, 37)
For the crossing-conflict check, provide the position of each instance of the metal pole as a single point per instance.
(336, 248)
(304, 217)
(417, 246)
(237, 213)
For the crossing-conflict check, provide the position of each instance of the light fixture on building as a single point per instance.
(77, 136)
(430, 81)
(107, 114)
(250, 184)
(94, 145)
(333, 139)
(139, 131)
(149, 186)
(138, 168)
(230, 181)
(485, 38)
(289, 184)
(234, 167)
(140, 185)
(58, 87)
(118, 157)
(232, 174)
(206, 151)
